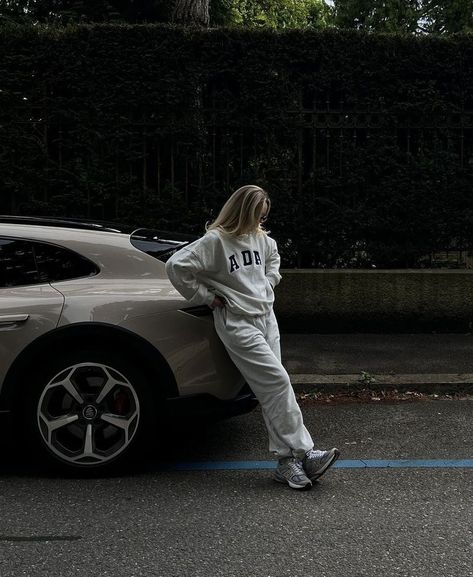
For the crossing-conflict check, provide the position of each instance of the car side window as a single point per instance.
(56, 263)
(17, 263)
(23, 262)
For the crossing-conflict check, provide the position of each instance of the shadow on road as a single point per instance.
(180, 442)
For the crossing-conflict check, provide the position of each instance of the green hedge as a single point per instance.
(365, 142)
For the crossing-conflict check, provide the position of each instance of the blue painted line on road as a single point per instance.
(342, 464)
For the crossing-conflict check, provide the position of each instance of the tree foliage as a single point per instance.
(408, 16)
(83, 11)
(377, 15)
(274, 14)
(447, 16)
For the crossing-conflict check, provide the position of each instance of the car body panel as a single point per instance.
(193, 351)
(112, 300)
(153, 311)
(40, 304)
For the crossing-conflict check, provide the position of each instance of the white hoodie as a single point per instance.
(242, 270)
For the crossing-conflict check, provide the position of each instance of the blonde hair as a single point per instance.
(242, 212)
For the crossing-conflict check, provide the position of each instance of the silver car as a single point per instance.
(96, 346)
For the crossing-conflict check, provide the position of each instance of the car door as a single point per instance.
(29, 306)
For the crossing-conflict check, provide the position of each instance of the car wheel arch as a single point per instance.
(90, 334)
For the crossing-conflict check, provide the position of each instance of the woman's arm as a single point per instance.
(273, 260)
(182, 269)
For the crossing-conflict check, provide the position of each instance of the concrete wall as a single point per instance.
(335, 300)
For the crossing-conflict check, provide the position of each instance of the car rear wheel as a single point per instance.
(88, 410)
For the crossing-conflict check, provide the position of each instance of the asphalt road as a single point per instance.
(164, 521)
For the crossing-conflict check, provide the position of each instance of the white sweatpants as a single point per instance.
(253, 345)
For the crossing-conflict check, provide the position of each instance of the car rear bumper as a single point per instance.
(209, 407)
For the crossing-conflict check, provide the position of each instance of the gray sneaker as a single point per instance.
(290, 471)
(316, 463)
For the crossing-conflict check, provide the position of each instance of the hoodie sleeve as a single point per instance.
(183, 269)
(273, 261)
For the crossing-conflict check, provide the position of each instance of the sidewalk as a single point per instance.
(424, 362)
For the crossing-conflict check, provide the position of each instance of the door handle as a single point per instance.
(10, 320)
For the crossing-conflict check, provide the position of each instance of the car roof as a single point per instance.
(77, 223)
(111, 251)
(97, 240)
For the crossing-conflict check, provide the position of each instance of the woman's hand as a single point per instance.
(218, 303)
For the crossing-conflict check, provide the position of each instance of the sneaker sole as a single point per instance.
(280, 479)
(328, 464)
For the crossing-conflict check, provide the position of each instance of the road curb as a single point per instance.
(422, 382)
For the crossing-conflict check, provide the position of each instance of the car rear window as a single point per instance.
(159, 244)
(56, 263)
(23, 262)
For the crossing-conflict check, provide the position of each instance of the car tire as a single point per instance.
(88, 411)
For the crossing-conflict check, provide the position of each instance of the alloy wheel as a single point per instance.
(88, 414)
